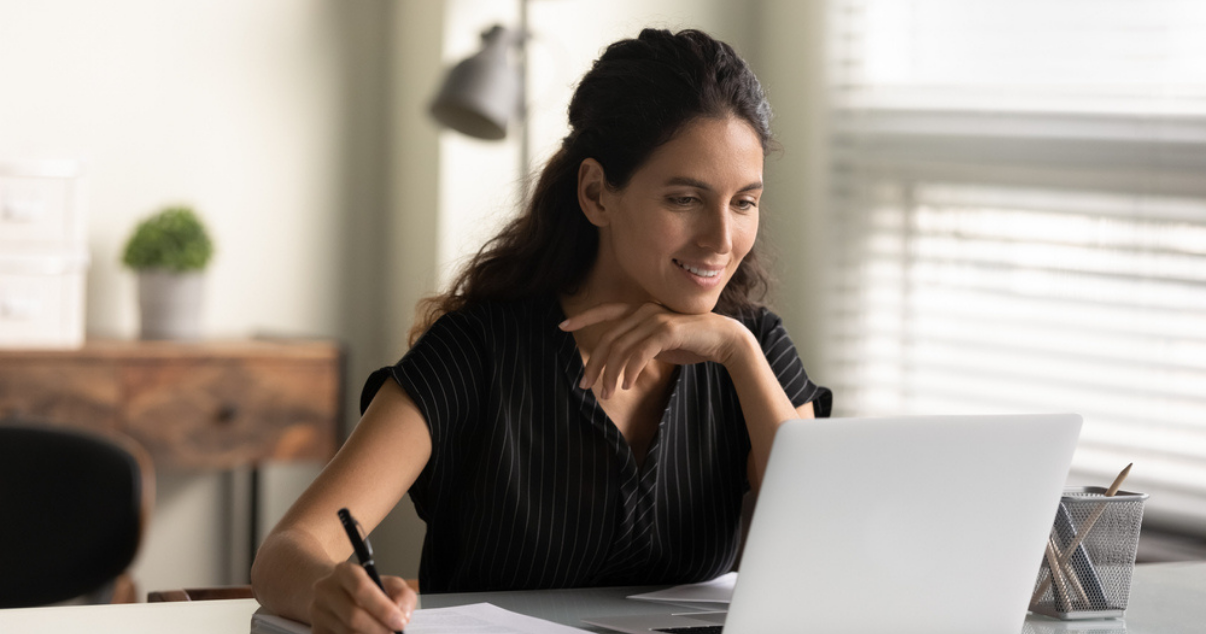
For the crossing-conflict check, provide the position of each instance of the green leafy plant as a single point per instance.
(173, 239)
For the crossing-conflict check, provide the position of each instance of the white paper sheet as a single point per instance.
(478, 618)
(718, 590)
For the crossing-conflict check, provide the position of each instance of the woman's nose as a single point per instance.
(716, 234)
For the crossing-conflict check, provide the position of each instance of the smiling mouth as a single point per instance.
(699, 272)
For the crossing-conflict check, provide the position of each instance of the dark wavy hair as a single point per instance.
(637, 96)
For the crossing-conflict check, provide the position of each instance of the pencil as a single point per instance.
(1061, 559)
(1063, 600)
(1080, 536)
(1110, 492)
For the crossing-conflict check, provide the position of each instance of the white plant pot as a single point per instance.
(170, 304)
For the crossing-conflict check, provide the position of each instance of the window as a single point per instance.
(1018, 198)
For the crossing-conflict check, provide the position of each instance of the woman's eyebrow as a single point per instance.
(698, 184)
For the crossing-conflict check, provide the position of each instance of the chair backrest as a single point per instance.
(72, 510)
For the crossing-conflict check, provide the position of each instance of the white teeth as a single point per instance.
(699, 272)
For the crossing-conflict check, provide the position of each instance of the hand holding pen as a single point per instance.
(356, 599)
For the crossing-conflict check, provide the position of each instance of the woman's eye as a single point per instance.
(682, 201)
(746, 205)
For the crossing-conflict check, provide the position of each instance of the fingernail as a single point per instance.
(562, 324)
(397, 622)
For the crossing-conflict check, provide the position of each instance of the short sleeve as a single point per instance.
(785, 362)
(443, 373)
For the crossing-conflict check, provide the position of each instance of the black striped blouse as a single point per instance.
(530, 485)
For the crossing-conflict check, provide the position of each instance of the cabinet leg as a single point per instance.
(253, 512)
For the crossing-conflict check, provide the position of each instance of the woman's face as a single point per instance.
(677, 232)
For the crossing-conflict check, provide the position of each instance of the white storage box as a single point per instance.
(41, 204)
(42, 299)
(43, 254)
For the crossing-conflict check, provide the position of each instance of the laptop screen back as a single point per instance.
(913, 524)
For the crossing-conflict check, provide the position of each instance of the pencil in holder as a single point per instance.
(1090, 555)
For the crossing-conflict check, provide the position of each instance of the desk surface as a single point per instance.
(1165, 599)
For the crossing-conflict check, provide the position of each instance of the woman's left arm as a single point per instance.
(763, 401)
(639, 334)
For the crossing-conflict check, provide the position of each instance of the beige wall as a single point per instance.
(269, 117)
(787, 53)
(415, 53)
(233, 107)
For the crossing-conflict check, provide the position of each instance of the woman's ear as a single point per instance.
(591, 184)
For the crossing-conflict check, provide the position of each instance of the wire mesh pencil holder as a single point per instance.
(1090, 555)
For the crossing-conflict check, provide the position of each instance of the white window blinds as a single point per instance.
(1018, 206)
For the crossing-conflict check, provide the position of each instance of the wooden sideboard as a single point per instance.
(205, 405)
(194, 406)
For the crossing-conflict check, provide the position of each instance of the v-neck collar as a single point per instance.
(570, 360)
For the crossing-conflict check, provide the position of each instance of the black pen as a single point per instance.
(364, 551)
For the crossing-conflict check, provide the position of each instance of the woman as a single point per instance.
(591, 400)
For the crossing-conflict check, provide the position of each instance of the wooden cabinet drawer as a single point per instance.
(80, 394)
(222, 413)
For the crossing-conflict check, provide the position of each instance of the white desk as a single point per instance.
(201, 617)
(1165, 599)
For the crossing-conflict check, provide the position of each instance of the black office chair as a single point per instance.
(72, 510)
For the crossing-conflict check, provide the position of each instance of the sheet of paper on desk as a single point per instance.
(718, 590)
(478, 618)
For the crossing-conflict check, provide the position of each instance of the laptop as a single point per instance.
(929, 524)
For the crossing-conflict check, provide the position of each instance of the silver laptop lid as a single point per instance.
(914, 524)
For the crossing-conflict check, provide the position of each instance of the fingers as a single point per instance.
(631, 352)
(625, 349)
(402, 594)
(368, 598)
(600, 355)
(640, 356)
(349, 601)
(597, 314)
(649, 332)
(640, 334)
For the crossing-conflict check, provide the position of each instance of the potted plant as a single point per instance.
(169, 250)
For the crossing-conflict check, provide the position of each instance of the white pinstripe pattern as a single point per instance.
(530, 485)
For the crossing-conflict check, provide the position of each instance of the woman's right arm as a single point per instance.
(301, 571)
